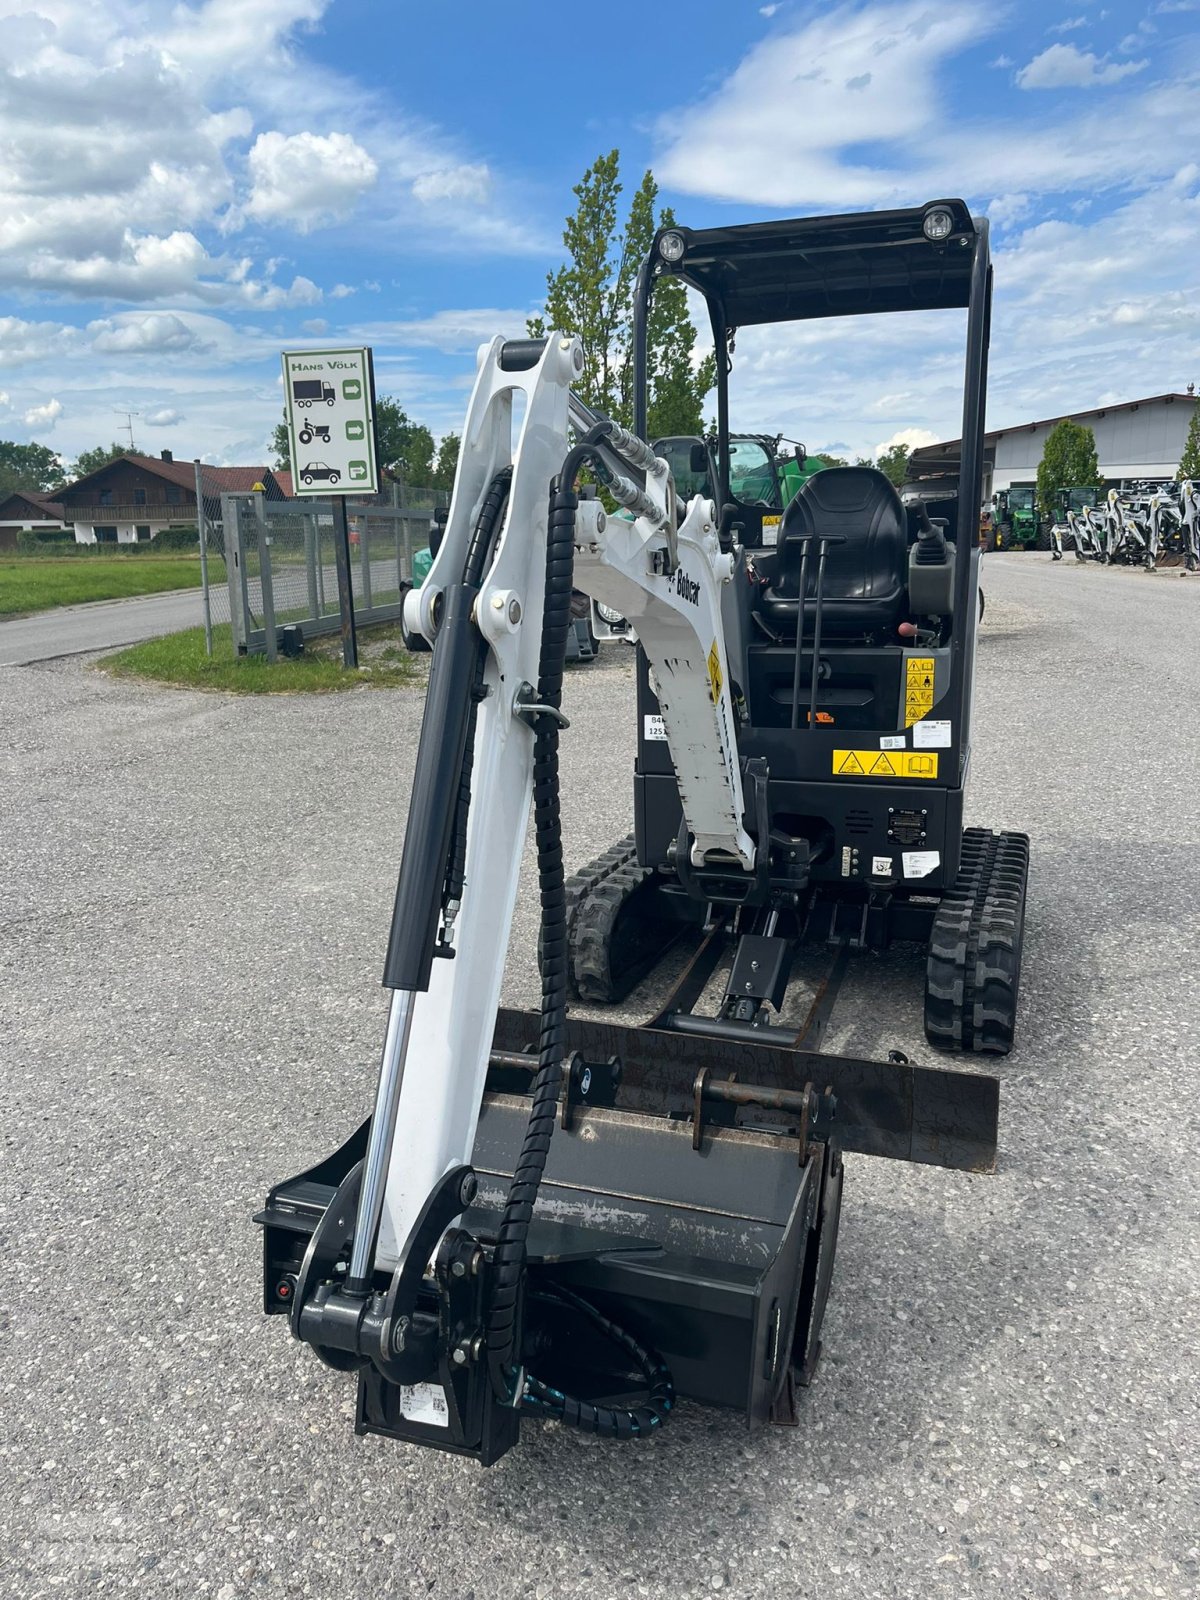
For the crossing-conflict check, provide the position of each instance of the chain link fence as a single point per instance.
(279, 563)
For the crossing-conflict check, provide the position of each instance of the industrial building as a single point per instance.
(1134, 439)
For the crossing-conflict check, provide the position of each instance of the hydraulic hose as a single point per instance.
(509, 1258)
(483, 542)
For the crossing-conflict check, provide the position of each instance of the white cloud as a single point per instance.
(44, 416)
(469, 183)
(1068, 25)
(22, 342)
(306, 179)
(163, 417)
(452, 332)
(153, 331)
(914, 438)
(144, 120)
(784, 109)
(341, 290)
(780, 130)
(768, 11)
(1063, 66)
(1002, 61)
(1007, 209)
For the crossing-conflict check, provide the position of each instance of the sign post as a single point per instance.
(329, 398)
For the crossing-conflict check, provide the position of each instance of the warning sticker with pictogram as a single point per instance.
(884, 764)
(919, 677)
(714, 673)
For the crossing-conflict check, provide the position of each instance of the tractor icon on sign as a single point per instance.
(311, 430)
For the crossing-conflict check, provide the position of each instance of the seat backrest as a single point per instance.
(860, 507)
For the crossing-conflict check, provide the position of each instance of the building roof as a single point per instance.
(49, 510)
(283, 477)
(215, 480)
(932, 451)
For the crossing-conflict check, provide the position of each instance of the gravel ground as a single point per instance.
(195, 892)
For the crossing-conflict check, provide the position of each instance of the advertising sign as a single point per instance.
(330, 403)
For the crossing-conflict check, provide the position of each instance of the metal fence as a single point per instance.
(280, 564)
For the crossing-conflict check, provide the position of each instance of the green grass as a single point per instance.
(39, 583)
(179, 660)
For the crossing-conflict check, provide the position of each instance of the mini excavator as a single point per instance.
(554, 1217)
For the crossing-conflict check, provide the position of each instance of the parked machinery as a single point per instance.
(1071, 524)
(1189, 513)
(676, 1235)
(1016, 518)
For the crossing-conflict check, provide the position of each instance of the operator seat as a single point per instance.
(865, 574)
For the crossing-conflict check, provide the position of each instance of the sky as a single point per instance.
(188, 189)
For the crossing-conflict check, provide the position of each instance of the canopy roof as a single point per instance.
(864, 262)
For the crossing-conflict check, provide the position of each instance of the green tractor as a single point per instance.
(1017, 523)
(764, 478)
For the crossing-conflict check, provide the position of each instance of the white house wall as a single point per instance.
(85, 532)
(1145, 442)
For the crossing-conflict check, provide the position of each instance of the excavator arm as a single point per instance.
(413, 1255)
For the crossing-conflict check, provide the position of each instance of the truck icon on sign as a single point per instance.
(311, 391)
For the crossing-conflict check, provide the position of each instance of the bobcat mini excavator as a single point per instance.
(554, 1218)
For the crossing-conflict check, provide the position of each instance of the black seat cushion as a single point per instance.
(865, 574)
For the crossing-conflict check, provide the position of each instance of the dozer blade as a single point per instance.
(932, 1115)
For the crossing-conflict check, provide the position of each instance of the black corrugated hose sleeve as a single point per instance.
(509, 1258)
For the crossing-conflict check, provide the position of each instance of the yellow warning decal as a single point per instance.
(885, 764)
(918, 688)
(714, 673)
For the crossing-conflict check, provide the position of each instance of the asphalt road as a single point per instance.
(99, 625)
(195, 893)
(110, 624)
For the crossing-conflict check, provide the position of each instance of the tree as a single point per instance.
(591, 294)
(92, 460)
(1189, 465)
(31, 467)
(447, 462)
(893, 463)
(406, 448)
(1068, 462)
(828, 460)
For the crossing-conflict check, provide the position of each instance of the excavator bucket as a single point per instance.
(691, 1194)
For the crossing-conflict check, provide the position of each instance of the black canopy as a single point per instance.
(847, 265)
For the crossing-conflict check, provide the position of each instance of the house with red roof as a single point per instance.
(132, 498)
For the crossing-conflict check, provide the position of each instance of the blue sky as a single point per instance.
(188, 189)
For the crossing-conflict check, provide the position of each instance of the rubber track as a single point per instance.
(974, 966)
(595, 896)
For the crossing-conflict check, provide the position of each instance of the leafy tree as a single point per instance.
(893, 463)
(447, 462)
(282, 446)
(406, 448)
(1068, 462)
(1189, 466)
(828, 460)
(31, 467)
(92, 460)
(591, 294)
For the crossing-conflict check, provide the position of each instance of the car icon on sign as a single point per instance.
(318, 469)
(319, 429)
